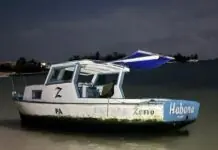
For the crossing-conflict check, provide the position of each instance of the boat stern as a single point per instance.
(181, 111)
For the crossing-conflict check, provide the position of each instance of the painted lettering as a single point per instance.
(180, 110)
(58, 91)
(140, 112)
(58, 111)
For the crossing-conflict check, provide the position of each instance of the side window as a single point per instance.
(105, 79)
(83, 78)
(60, 76)
(36, 94)
(67, 76)
(54, 76)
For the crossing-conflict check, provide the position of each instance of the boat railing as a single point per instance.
(15, 94)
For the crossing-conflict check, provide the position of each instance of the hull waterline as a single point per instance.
(94, 125)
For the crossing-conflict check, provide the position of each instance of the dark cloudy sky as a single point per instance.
(55, 29)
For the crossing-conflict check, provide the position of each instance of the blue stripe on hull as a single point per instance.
(181, 110)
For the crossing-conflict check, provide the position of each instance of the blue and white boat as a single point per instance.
(77, 91)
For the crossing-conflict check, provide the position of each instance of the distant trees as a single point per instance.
(6, 67)
(97, 56)
(115, 55)
(22, 66)
(180, 58)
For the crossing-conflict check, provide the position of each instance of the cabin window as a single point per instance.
(54, 75)
(106, 78)
(84, 79)
(67, 76)
(60, 76)
(36, 94)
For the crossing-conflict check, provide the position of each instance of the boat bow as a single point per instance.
(181, 110)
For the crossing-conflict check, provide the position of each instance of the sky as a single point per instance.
(54, 30)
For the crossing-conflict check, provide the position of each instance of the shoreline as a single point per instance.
(6, 74)
(2, 74)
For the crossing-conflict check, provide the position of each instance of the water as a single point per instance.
(189, 81)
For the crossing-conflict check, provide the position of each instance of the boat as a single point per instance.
(80, 92)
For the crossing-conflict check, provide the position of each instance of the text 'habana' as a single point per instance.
(179, 110)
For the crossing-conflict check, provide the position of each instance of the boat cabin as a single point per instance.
(82, 79)
(88, 79)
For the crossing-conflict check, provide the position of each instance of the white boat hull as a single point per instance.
(101, 111)
(152, 115)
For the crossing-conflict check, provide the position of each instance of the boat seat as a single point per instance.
(108, 90)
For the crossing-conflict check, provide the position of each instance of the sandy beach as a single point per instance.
(5, 73)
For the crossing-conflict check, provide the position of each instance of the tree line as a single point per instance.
(23, 65)
(115, 56)
(180, 58)
(98, 56)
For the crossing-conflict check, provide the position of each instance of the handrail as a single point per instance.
(107, 106)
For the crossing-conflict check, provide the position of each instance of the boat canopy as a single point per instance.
(141, 53)
(90, 67)
(144, 60)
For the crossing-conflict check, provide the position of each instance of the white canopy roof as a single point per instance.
(92, 67)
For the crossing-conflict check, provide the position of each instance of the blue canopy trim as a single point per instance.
(136, 61)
